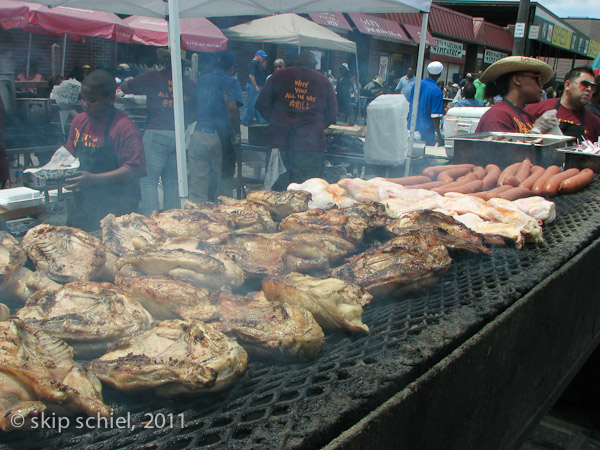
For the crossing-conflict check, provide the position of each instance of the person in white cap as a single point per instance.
(431, 106)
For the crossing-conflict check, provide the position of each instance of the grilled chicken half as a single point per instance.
(87, 315)
(335, 303)
(196, 267)
(165, 298)
(247, 217)
(281, 204)
(12, 258)
(271, 330)
(349, 226)
(129, 232)
(408, 262)
(177, 357)
(199, 224)
(446, 229)
(25, 283)
(38, 375)
(66, 254)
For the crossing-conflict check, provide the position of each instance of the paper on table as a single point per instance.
(62, 165)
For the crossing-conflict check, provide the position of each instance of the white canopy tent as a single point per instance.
(176, 9)
(290, 29)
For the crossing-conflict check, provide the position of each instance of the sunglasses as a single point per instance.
(535, 76)
(584, 84)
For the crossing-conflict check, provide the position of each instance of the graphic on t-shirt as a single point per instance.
(168, 96)
(88, 140)
(523, 127)
(299, 98)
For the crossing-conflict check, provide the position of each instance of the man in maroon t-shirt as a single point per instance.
(574, 119)
(299, 103)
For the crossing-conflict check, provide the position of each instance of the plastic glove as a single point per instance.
(545, 122)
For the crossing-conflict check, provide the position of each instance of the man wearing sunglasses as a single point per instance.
(574, 119)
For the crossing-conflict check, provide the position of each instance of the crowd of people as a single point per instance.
(122, 167)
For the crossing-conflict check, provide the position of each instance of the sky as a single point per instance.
(573, 8)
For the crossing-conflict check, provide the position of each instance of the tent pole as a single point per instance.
(415, 105)
(28, 58)
(62, 70)
(175, 44)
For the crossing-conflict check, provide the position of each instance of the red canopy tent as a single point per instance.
(13, 14)
(198, 34)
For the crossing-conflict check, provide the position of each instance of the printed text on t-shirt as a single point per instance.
(298, 98)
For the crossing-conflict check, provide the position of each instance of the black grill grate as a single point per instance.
(306, 405)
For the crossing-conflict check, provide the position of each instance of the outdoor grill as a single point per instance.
(400, 380)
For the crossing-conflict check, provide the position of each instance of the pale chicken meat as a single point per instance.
(175, 358)
(360, 190)
(38, 375)
(281, 204)
(129, 232)
(87, 315)
(12, 258)
(445, 229)
(247, 217)
(492, 229)
(348, 226)
(335, 303)
(313, 246)
(199, 224)
(4, 312)
(64, 253)
(194, 267)
(165, 297)
(271, 330)
(402, 264)
(323, 194)
(26, 282)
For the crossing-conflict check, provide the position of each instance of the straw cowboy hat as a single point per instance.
(378, 80)
(517, 64)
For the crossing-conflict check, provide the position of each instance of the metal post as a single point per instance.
(175, 45)
(415, 105)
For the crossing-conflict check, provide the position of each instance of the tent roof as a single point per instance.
(290, 29)
(210, 8)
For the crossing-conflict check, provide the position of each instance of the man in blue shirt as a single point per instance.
(216, 138)
(431, 106)
(256, 80)
(406, 83)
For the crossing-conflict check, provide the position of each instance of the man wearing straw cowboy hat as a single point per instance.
(519, 80)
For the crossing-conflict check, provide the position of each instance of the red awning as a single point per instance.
(77, 22)
(415, 33)
(13, 14)
(335, 20)
(198, 34)
(379, 27)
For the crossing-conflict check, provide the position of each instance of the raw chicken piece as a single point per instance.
(404, 263)
(269, 329)
(506, 212)
(388, 189)
(38, 375)
(194, 267)
(281, 204)
(164, 297)
(340, 197)
(360, 190)
(87, 315)
(492, 229)
(336, 304)
(537, 207)
(66, 254)
(177, 357)
(130, 232)
(322, 193)
(12, 258)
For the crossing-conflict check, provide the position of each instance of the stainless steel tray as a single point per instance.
(580, 160)
(504, 149)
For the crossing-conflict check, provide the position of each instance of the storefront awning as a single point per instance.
(335, 20)
(415, 33)
(379, 27)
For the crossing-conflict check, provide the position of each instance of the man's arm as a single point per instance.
(253, 82)
(83, 179)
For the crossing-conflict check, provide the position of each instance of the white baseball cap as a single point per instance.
(435, 68)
